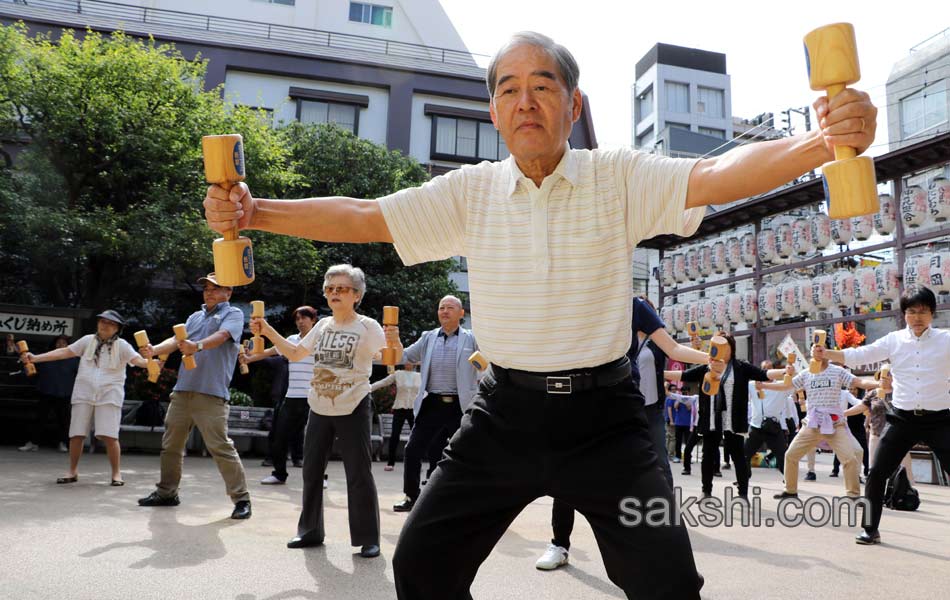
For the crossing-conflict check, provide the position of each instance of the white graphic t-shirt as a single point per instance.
(343, 360)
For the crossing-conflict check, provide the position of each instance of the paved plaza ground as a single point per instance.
(91, 541)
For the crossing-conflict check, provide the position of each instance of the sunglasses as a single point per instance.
(336, 289)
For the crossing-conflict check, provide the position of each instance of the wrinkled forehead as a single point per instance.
(525, 59)
(449, 303)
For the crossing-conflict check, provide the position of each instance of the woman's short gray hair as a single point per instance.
(566, 65)
(355, 274)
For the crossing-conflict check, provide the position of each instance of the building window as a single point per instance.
(673, 125)
(319, 106)
(711, 102)
(463, 140)
(372, 14)
(924, 110)
(677, 97)
(645, 104)
(719, 133)
(284, 2)
(645, 139)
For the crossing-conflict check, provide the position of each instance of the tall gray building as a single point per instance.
(918, 93)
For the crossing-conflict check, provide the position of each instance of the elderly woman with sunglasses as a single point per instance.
(343, 348)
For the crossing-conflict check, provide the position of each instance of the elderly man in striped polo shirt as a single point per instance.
(549, 234)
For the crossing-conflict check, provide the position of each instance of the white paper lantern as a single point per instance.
(821, 230)
(666, 315)
(692, 264)
(733, 254)
(888, 283)
(765, 245)
(707, 314)
(734, 301)
(842, 289)
(791, 302)
(749, 306)
(940, 272)
(666, 271)
(783, 307)
(784, 244)
(885, 219)
(914, 208)
(679, 268)
(719, 257)
(721, 310)
(865, 286)
(679, 317)
(862, 227)
(692, 311)
(911, 276)
(806, 304)
(841, 231)
(705, 260)
(822, 292)
(747, 249)
(938, 199)
(802, 239)
(767, 302)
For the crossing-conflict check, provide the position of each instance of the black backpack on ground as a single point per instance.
(898, 493)
(150, 414)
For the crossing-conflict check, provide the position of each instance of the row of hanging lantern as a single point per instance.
(718, 310)
(843, 289)
(931, 269)
(700, 262)
(920, 204)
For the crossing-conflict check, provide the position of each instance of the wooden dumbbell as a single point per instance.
(224, 166)
(692, 328)
(792, 357)
(181, 335)
(818, 338)
(257, 310)
(478, 361)
(28, 367)
(885, 379)
(831, 57)
(242, 367)
(718, 350)
(154, 369)
(390, 317)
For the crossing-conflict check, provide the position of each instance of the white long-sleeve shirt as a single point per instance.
(407, 387)
(774, 405)
(920, 366)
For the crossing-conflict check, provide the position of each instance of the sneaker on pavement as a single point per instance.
(553, 557)
(810, 476)
(63, 447)
(272, 480)
(326, 481)
(676, 460)
(28, 447)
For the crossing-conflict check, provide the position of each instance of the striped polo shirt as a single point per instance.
(550, 268)
(299, 372)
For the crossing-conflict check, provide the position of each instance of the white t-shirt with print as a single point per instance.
(823, 390)
(102, 382)
(343, 361)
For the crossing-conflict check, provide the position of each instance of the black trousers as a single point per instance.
(437, 421)
(288, 430)
(732, 444)
(591, 449)
(362, 501)
(856, 425)
(61, 409)
(774, 441)
(905, 432)
(400, 417)
(695, 437)
(682, 436)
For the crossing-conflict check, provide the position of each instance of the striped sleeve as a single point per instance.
(656, 188)
(428, 222)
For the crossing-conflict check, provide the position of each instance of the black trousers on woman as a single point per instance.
(732, 443)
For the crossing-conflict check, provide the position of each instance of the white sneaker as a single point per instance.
(28, 447)
(271, 480)
(326, 483)
(63, 447)
(553, 557)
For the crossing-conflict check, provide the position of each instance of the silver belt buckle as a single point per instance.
(918, 412)
(447, 399)
(558, 385)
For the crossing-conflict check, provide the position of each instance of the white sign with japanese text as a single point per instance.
(35, 324)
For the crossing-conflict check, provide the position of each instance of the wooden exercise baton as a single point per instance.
(718, 350)
(792, 357)
(478, 361)
(257, 310)
(818, 338)
(692, 328)
(224, 166)
(243, 366)
(154, 370)
(28, 367)
(831, 57)
(181, 335)
(390, 317)
(885, 379)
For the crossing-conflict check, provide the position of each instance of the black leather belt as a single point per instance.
(919, 412)
(566, 382)
(447, 398)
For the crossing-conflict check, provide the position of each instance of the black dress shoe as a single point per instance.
(686, 472)
(868, 539)
(833, 474)
(784, 495)
(303, 542)
(369, 551)
(154, 499)
(242, 510)
(298, 464)
(404, 506)
(717, 474)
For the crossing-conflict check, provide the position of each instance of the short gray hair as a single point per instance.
(453, 299)
(566, 65)
(355, 274)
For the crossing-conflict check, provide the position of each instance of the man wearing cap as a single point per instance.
(200, 397)
(99, 389)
